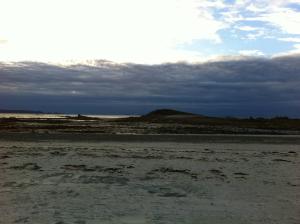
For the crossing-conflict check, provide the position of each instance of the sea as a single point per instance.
(47, 116)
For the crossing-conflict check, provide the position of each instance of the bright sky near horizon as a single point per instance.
(147, 31)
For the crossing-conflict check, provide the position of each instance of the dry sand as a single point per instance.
(195, 180)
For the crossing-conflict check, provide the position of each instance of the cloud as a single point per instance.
(277, 18)
(286, 19)
(247, 28)
(2, 41)
(243, 86)
(294, 51)
(254, 36)
(256, 8)
(290, 39)
(139, 31)
(251, 53)
(133, 30)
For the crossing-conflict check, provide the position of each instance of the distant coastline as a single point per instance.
(162, 121)
(6, 111)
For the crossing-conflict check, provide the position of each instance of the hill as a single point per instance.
(167, 113)
(173, 121)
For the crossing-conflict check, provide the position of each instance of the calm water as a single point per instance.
(45, 116)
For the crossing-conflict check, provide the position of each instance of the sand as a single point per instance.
(159, 179)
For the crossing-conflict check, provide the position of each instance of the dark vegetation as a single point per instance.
(163, 121)
(178, 117)
(166, 112)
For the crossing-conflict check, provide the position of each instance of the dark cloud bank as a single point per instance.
(239, 87)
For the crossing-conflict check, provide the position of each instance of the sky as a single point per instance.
(214, 57)
(144, 31)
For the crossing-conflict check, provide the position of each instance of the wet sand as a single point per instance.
(86, 178)
(187, 138)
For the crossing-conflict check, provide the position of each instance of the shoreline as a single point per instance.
(185, 138)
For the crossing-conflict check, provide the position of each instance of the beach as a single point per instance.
(149, 112)
(85, 178)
